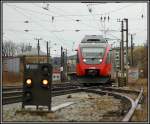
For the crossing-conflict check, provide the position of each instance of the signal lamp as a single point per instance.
(28, 81)
(45, 82)
(28, 96)
(45, 68)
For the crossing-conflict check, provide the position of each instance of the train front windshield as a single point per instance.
(93, 52)
(93, 55)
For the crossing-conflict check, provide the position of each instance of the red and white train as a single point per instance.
(94, 59)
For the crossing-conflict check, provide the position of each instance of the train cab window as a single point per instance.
(93, 52)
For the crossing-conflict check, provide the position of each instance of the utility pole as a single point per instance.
(38, 47)
(63, 64)
(47, 53)
(66, 65)
(122, 50)
(120, 56)
(131, 49)
(126, 49)
(61, 68)
(38, 50)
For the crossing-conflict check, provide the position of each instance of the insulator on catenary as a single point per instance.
(142, 16)
(52, 18)
(101, 18)
(108, 18)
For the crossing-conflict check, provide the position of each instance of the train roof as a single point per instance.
(93, 45)
(94, 39)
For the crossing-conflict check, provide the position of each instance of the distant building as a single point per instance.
(13, 66)
(56, 75)
(31, 56)
(33, 52)
(71, 63)
(56, 62)
(11, 70)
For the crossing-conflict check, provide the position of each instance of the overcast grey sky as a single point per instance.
(69, 17)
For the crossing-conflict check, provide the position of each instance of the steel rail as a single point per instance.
(133, 104)
(130, 113)
(116, 92)
(18, 98)
(117, 89)
(14, 96)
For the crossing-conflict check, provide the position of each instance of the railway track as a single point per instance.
(12, 95)
(129, 104)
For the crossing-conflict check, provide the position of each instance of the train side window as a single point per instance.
(77, 57)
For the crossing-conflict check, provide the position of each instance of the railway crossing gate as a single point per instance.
(37, 85)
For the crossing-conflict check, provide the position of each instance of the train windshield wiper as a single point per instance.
(92, 58)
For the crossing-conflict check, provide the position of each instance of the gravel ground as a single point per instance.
(86, 107)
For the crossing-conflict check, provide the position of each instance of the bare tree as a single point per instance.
(22, 47)
(9, 48)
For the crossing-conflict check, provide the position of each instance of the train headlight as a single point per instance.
(100, 60)
(84, 60)
(28, 81)
(45, 82)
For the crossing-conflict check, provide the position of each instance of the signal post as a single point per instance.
(37, 85)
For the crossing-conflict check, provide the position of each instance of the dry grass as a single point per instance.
(141, 114)
(51, 116)
(107, 101)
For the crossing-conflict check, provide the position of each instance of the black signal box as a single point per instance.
(37, 85)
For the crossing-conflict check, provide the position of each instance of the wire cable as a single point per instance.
(35, 22)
